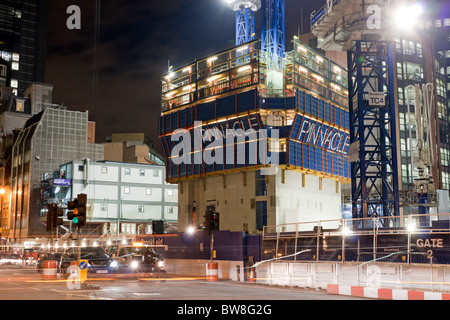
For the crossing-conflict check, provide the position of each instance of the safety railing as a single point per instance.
(409, 239)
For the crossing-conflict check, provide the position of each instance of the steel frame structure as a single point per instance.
(273, 32)
(375, 187)
(245, 26)
(245, 19)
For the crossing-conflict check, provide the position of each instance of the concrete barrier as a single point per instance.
(319, 275)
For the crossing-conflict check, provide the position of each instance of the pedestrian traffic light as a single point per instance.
(81, 206)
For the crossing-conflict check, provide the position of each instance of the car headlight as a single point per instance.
(161, 264)
(134, 265)
(114, 264)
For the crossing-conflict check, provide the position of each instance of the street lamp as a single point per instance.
(190, 230)
(406, 16)
(411, 226)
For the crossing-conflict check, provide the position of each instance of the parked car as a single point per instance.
(99, 262)
(137, 258)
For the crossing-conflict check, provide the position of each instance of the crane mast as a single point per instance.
(366, 30)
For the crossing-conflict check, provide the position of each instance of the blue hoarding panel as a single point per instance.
(245, 101)
(307, 103)
(312, 158)
(182, 119)
(314, 105)
(300, 100)
(318, 158)
(174, 121)
(327, 111)
(189, 117)
(206, 111)
(320, 111)
(167, 125)
(305, 156)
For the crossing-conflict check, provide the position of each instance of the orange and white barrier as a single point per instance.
(212, 271)
(383, 293)
(50, 270)
(252, 275)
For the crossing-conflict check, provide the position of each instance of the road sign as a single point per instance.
(83, 268)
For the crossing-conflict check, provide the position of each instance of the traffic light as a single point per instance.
(72, 214)
(53, 211)
(215, 219)
(77, 210)
(81, 206)
(59, 214)
(50, 218)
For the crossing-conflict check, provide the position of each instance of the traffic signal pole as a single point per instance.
(212, 245)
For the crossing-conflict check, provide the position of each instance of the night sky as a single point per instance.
(137, 38)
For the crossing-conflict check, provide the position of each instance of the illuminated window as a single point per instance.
(19, 106)
(15, 66)
(14, 83)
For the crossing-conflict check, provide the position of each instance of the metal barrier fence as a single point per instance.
(407, 239)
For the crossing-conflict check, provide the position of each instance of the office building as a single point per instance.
(49, 138)
(22, 43)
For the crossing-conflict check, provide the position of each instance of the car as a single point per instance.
(99, 262)
(11, 259)
(137, 258)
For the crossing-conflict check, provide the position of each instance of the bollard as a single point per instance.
(212, 271)
(252, 275)
(50, 270)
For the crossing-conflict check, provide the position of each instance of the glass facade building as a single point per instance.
(23, 42)
(48, 139)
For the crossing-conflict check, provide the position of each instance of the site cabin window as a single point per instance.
(148, 191)
(104, 170)
(127, 171)
(155, 173)
(141, 209)
(142, 172)
(126, 190)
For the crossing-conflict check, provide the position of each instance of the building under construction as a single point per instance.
(255, 133)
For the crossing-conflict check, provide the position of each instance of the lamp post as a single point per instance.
(411, 228)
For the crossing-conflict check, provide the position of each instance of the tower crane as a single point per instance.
(366, 30)
(422, 154)
(245, 19)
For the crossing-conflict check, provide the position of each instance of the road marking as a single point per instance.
(147, 294)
